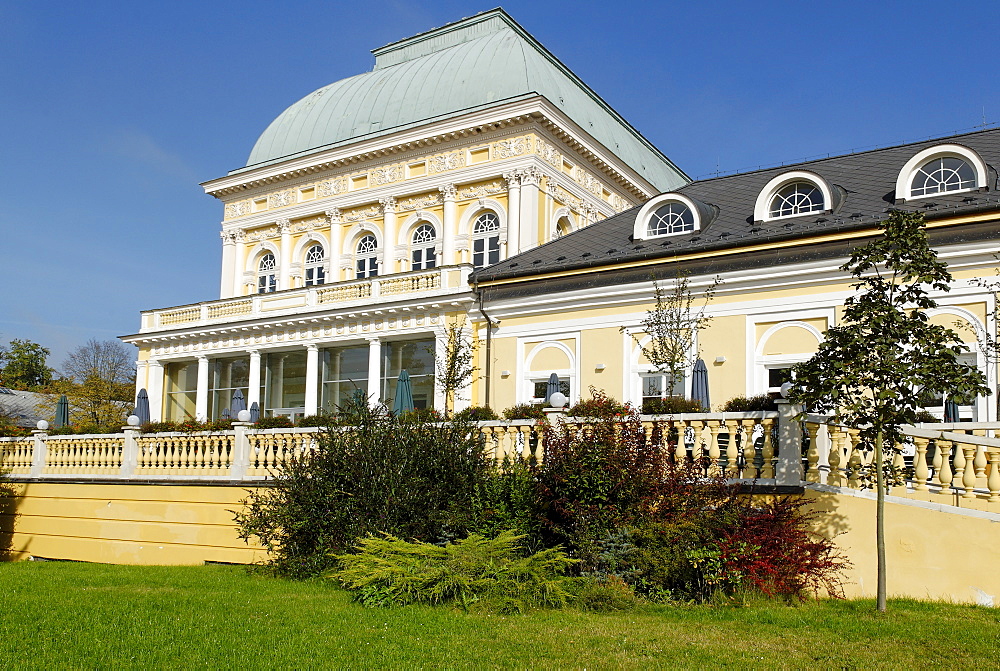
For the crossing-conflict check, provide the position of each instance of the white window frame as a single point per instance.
(318, 268)
(645, 214)
(905, 178)
(486, 237)
(269, 275)
(370, 258)
(423, 247)
(762, 208)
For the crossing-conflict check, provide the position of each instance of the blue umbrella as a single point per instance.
(404, 394)
(62, 413)
(225, 413)
(142, 407)
(950, 412)
(238, 403)
(699, 385)
(551, 387)
(254, 412)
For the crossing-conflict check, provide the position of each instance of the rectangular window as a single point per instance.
(424, 259)
(225, 376)
(539, 388)
(180, 390)
(777, 376)
(486, 251)
(283, 384)
(315, 276)
(367, 267)
(654, 385)
(416, 357)
(345, 373)
(267, 284)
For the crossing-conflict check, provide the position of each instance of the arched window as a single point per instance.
(366, 260)
(267, 278)
(563, 227)
(315, 273)
(423, 254)
(672, 217)
(486, 240)
(794, 199)
(942, 174)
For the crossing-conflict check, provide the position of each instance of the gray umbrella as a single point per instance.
(254, 412)
(142, 407)
(62, 413)
(225, 413)
(404, 394)
(551, 387)
(238, 404)
(699, 385)
(951, 412)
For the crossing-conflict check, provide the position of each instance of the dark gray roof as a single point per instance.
(866, 182)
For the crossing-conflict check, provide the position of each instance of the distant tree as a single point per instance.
(99, 381)
(672, 326)
(455, 367)
(873, 371)
(23, 365)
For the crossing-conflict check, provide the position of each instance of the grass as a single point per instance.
(68, 615)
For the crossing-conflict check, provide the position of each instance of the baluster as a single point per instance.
(812, 473)
(698, 450)
(748, 450)
(944, 474)
(732, 467)
(680, 449)
(767, 448)
(526, 452)
(487, 432)
(969, 474)
(714, 455)
(836, 476)
(853, 460)
(898, 463)
(957, 465)
(920, 474)
(733, 456)
(993, 480)
(980, 461)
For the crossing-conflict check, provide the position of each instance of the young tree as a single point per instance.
(873, 370)
(22, 365)
(672, 326)
(455, 366)
(100, 378)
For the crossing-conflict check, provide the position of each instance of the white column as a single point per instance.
(528, 225)
(154, 388)
(228, 264)
(450, 196)
(388, 235)
(239, 262)
(513, 212)
(335, 244)
(201, 395)
(253, 382)
(440, 353)
(312, 379)
(140, 376)
(285, 262)
(374, 370)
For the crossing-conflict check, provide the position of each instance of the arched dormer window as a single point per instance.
(669, 214)
(793, 194)
(423, 255)
(366, 257)
(946, 168)
(486, 240)
(315, 272)
(267, 276)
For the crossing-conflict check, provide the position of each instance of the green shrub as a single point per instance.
(63, 431)
(220, 425)
(159, 427)
(275, 422)
(424, 415)
(600, 405)
(371, 473)
(604, 595)
(925, 417)
(524, 411)
(387, 571)
(316, 420)
(505, 499)
(671, 405)
(762, 402)
(477, 414)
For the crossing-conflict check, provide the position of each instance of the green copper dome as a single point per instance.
(468, 65)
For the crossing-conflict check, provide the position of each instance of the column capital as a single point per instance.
(228, 237)
(239, 235)
(253, 351)
(202, 357)
(312, 347)
(334, 215)
(388, 204)
(531, 176)
(154, 362)
(284, 226)
(373, 340)
(449, 192)
(513, 179)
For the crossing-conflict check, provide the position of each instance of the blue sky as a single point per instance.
(111, 113)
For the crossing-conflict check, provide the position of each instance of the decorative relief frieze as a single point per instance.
(331, 187)
(561, 195)
(418, 202)
(548, 153)
(281, 198)
(263, 234)
(240, 209)
(588, 181)
(515, 146)
(483, 190)
(450, 161)
(304, 225)
(386, 175)
(618, 203)
(363, 213)
(334, 216)
(448, 192)
(387, 204)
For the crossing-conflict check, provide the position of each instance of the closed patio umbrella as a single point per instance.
(699, 385)
(254, 412)
(142, 407)
(551, 387)
(238, 403)
(404, 394)
(950, 412)
(62, 413)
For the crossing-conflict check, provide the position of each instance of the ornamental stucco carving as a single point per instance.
(450, 161)
(334, 216)
(588, 181)
(530, 176)
(483, 190)
(448, 192)
(418, 202)
(515, 146)
(387, 204)
(281, 198)
(263, 234)
(284, 226)
(240, 209)
(386, 175)
(362, 213)
(548, 153)
(331, 187)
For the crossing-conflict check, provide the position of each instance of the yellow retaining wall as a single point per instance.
(126, 523)
(930, 553)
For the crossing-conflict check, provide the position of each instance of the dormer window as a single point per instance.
(793, 194)
(669, 214)
(946, 168)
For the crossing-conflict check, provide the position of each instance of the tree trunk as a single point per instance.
(880, 520)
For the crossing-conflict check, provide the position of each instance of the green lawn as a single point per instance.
(94, 616)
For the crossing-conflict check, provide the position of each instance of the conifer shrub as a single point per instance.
(494, 574)
(371, 473)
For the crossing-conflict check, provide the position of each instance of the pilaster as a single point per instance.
(449, 195)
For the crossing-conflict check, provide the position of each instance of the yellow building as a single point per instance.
(349, 236)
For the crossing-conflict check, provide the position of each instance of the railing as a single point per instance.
(737, 445)
(957, 464)
(431, 282)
